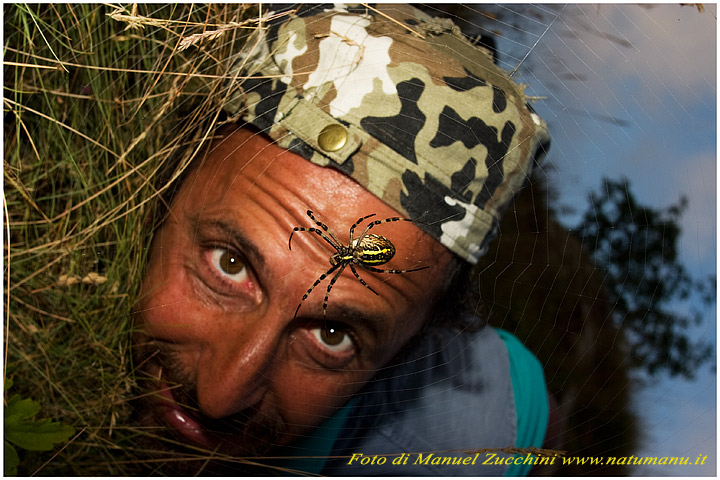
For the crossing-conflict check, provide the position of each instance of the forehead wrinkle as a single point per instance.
(235, 151)
(299, 194)
(229, 166)
(266, 172)
(324, 250)
(266, 193)
(289, 197)
(319, 253)
(297, 216)
(257, 155)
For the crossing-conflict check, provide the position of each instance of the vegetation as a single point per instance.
(100, 101)
(22, 431)
(96, 101)
(594, 304)
(637, 249)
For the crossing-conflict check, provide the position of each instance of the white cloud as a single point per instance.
(669, 42)
(652, 67)
(665, 54)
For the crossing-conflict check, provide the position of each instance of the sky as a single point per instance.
(630, 91)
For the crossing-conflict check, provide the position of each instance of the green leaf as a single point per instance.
(10, 460)
(21, 408)
(37, 435)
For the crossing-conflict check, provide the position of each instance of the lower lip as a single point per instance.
(179, 419)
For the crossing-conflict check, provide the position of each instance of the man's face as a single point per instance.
(233, 370)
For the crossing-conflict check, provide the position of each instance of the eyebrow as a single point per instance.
(248, 248)
(352, 315)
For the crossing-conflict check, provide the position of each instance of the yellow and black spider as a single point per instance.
(366, 251)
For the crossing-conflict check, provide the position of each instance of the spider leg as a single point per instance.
(317, 282)
(352, 229)
(323, 226)
(312, 230)
(378, 222)
(377, 270)
(352, 267)
(330, 285)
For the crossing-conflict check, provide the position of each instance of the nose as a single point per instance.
(234, 370)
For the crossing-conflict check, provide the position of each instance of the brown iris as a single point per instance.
(231, 264)
(331, 336)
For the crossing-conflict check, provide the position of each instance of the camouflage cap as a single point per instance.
(402, 103)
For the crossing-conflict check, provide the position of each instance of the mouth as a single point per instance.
(172, 403)
(163, 405)
(246, 433)
(193, 444)
(181, 421)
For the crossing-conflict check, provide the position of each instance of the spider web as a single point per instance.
(619, 85)
(628, 92)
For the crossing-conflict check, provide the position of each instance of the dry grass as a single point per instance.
(99, 100)
(101, 103)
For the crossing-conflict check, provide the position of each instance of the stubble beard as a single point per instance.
(247, 434)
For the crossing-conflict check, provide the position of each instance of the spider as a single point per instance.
(366, 251)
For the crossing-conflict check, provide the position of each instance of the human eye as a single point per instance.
(335, 342)
(229, 264)
(333, 338)
(227, 272)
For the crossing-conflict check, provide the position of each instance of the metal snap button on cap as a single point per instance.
(332, 138)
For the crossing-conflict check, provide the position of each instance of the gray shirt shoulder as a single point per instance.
(451, 395)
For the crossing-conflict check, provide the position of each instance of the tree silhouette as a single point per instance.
(637, 248)
(594, 304)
